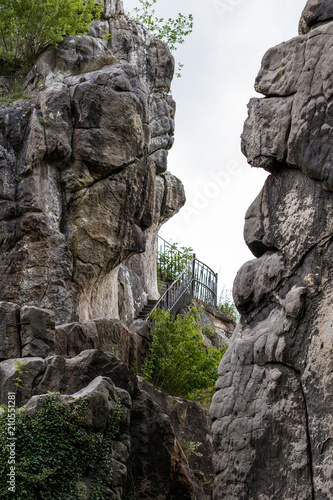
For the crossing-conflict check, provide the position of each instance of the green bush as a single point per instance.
(27, 27)
(54, 450)
(178, 362)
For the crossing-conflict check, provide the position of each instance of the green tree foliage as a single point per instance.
(54, 450)
(170, 31)
(227, 305)
(27, 27)
(179, 363)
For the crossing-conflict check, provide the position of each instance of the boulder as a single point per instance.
(110, 336)
(37, 332)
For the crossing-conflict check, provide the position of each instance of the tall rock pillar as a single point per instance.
(273, 411)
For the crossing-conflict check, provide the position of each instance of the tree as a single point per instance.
(27, 27)
(170, 31)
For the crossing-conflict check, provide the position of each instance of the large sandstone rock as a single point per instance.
(83, 185)
(191, 424)
(273, 409)
(9, 330)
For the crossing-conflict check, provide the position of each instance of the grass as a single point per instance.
(14, 92)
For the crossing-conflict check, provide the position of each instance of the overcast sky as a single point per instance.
(222, 58)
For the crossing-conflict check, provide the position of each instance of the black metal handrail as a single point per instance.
(170, 298)
(171, 261)
(194, 280)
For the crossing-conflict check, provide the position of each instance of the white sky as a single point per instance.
(222, 58)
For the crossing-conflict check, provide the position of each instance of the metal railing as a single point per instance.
(170, 260)
(191, 279)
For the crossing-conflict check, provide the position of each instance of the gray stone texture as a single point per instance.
(84, 189)
(37, 332)
(9, 331)
(272, 413)
(147, 455)
(84, 185)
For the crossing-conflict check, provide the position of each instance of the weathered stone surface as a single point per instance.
(110, 336)
(68, 376)
(314, 13)
(33, 369)
(37, 332)
(272, 413)
(168, 476)
(84, 189)
(83, 165)
(102, 396)
(293, 127)
(191, 424)
(9, 330)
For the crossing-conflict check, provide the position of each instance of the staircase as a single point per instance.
(194, 280)
(147, 310)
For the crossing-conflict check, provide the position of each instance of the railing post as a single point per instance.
(193, 275)
(216, 287)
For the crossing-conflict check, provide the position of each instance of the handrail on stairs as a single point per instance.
(195, 280)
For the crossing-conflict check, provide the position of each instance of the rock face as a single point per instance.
(272, 413)
(84, 189)
(83, 183)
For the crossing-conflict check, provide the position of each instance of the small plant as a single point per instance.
(170, 31)
(209, 331)
(19, 369)
(190, 448)
(18, 178)
(227, 305)
(14, 92)
(49, 119)
(179, 363)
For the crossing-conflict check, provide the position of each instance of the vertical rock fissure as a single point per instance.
(309, 441)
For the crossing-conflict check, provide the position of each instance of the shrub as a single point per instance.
(54, 450)
(27, 27)
(227, 305)
(190, 448)
(178, 362)
(209, 331)
(172, 261)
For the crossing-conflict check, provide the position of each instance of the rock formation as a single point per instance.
(83, 174)
(84, 189)
(273, 428)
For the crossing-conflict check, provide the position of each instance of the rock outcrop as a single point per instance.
(84, 189)
(84, 185)
(272, 413)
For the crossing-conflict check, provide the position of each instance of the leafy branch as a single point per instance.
(170, 31)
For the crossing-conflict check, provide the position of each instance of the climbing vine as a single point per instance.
(54, 450)
(29, 26)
